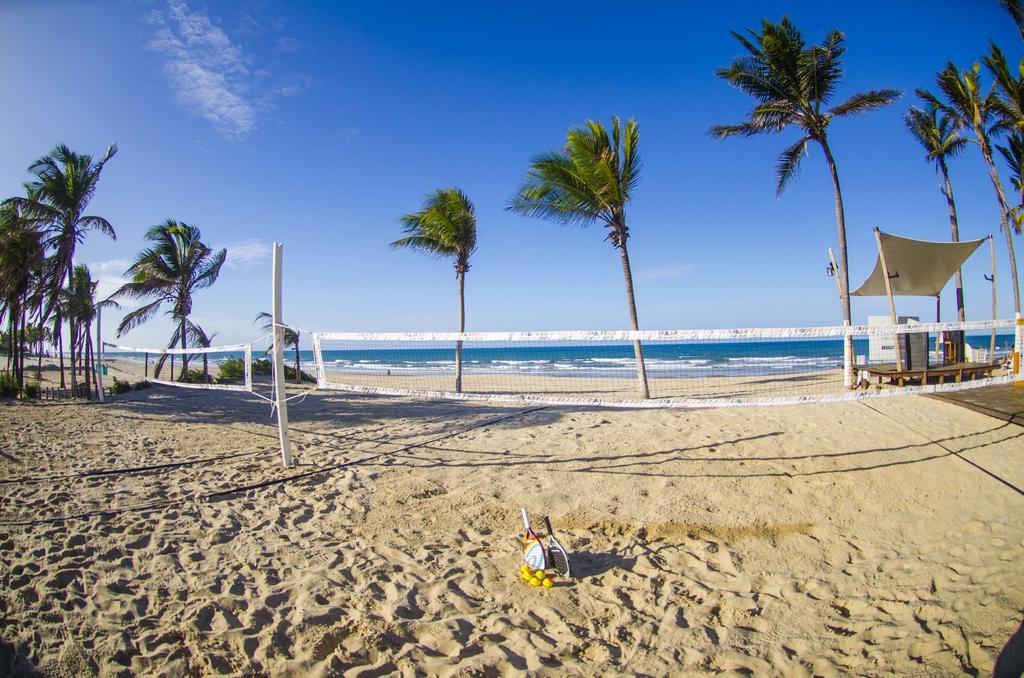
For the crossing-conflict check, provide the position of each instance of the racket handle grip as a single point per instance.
(526, 519)
(547, 524)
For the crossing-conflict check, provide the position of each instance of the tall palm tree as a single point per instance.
(985, 115)
(171, 270)
(59, 195)
(21, 254)
(291, 338)
(938, 135)
(791, 85)
(590, 180)
(81, 305)
(445, 227)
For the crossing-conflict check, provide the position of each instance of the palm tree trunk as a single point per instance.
(21, 349)
(184, 358)
(462, 328)
(638, 349)
(947, 190)
(73, 337)
(60, 348)
(1004, 208)
(86, 346)
(844, 276)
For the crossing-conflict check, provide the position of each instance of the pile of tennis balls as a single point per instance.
(535, 577)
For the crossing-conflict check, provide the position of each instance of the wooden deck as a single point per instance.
(1003, 401)
(956, 372)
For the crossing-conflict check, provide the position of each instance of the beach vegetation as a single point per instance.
(291, 338)
(792, 85)
(938, 133)
(963, 96)
(231, 370)
(9, 386)
(445, 227)
(591, 179)
(170, 271)
(32, 389)
(56, 199)
(120, 386)
(21, 259)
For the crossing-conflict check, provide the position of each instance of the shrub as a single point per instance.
(194, 376)
(231, 370)
(120, 386)
(289, 374)
(262, 368)
(9, 387)
(140, 385)
(32, 389)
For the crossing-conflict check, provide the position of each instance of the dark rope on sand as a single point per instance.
(952, 452)
(267, 483)
(106, 472)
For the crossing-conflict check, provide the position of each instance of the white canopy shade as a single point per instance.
(917, 268)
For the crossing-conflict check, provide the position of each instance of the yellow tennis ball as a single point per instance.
(548, 583)
(534, 582)
(524, 568)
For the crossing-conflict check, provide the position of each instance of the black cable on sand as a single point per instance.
(267, 483)
(128, 470)
(952, 452)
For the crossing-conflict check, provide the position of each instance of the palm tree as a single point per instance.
(80, 306)
(590, 180)
(1016, 10)
(291, 338)
(791, 84)
(59, 195)
(171, 270)
(938, 135)
(445, 227)
(21, 253)
(985, 115)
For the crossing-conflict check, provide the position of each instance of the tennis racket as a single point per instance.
(533, 548)
(558, 557)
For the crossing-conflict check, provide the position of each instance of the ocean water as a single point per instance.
(589, 360)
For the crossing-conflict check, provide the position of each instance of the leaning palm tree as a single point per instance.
(791, 85)
(171, 270)
(938, 134)
(291, 338)
(985, 115)
(64, 184)
(445, 227)
(590, 180)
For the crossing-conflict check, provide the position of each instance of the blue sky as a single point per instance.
(319, 125)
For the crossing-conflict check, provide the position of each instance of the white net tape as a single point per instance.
(220, 368)
(684, 368)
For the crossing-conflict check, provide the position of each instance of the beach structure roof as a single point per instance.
(916, 268)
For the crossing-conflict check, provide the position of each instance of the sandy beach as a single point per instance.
(822, 539)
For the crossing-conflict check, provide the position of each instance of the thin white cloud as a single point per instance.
(210, 74)
(289, 45)
(666, 273)
(246, 254)
(109, 276)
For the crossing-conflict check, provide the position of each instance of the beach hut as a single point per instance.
(907, 267)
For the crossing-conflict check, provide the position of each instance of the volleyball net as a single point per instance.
(688, 368)
(223, 368)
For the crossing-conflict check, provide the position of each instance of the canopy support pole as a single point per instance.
(939, 335)
(847, 340)
(888, 293)
(992, 342)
